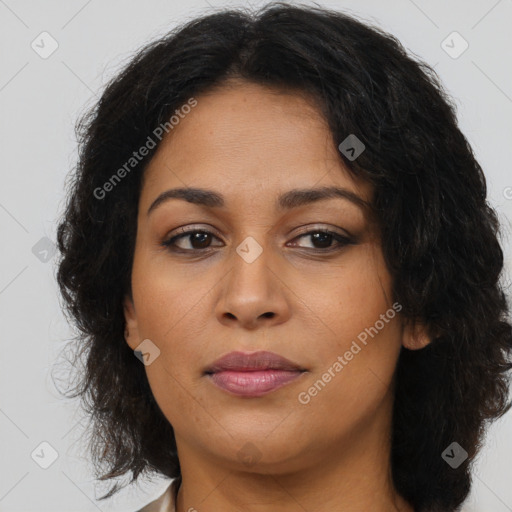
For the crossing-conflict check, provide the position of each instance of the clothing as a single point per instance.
(166, 502)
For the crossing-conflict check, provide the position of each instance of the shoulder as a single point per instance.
(165, 502)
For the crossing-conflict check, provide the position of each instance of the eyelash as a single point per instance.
(340, 239)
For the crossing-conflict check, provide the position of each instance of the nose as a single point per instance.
(254, 294)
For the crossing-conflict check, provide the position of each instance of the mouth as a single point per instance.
(252, 374)
(252, 361)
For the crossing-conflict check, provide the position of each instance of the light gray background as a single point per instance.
(40, 100)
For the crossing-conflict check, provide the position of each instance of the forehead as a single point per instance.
(243, 138)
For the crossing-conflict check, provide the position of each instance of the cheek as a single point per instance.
(345, 394)
(348, 299)
(167, 314)
(360, 326)
(165, 294)
(174, 376)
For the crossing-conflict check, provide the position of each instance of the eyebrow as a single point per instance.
(286, 201)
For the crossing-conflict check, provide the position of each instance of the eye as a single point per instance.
(195, 240)
(323, 240)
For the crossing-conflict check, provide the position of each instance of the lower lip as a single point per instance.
(253, 383)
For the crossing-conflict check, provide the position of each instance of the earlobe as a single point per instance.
(131, 333)
(415, 335)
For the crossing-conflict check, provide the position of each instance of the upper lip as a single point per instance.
(247, 361)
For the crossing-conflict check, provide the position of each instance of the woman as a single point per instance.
(279, 216)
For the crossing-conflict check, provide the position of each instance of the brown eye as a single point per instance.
(322, 240)
(197, 240)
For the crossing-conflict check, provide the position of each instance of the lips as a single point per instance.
(253, 374)
(252, 361)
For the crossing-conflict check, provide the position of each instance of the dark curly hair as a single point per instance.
(439, 234)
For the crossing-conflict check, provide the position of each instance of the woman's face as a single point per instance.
(264, 277)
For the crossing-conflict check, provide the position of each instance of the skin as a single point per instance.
(251, 144)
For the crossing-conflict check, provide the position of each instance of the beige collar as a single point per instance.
(166, 502)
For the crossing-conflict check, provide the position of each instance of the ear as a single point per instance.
(415, 335)
(131, 333)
